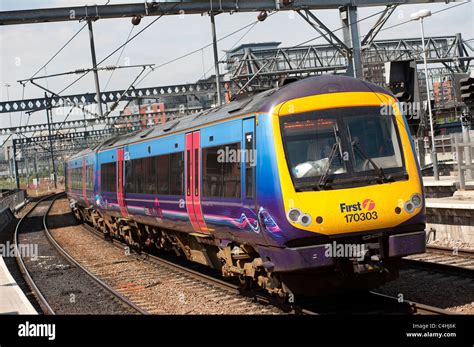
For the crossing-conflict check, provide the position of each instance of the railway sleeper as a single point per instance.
(233, 260)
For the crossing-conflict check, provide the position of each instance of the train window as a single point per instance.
(76, 178)
(149, 176)
(221, 171)
(139, 175)
(79, 179)
(108, 177)
(188, 172)
(376, 138)
(162, 164)
(156, 175)
(135, 176)
(134, 171)
(176, 173)
(328, 148)
(89, 177)
(196, 172)
(129, 181)
(311, 143)
(249, 165)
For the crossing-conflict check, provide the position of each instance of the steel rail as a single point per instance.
(416, 308)
(29, 279)
(21, 264)
(208, 279)
(447, 250)
(70, 259)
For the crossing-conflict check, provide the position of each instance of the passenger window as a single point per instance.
(77, 178)
(89, 177)
(250, 161)
(108, 177)
(176, 174)
(162, 175)
(221, 171)
(162, 164)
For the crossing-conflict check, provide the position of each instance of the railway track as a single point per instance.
(363, 303)
(444, 260)
(414, 307)
(122, 291)
(58, 282)
(214, 289)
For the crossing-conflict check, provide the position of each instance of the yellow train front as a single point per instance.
(339, 186)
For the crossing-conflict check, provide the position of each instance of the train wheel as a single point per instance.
(246, 282)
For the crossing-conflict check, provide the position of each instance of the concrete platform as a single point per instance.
(451, 218)
(450, 203)
(444, 181)
(12, 299)
(445, 187)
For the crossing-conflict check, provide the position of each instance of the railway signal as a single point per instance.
(401, 77)
(467, 90)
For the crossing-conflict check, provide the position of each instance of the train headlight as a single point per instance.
(305, 220)
(417, 200)
(409, 207)
(294, 214)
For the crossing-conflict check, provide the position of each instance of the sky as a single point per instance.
(25, 48)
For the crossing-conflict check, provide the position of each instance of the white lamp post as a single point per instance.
(420, 15)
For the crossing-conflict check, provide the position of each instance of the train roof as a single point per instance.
(259, 103)
(82, 153)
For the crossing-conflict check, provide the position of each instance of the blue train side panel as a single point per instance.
(83, 196)
(231, 218)
(166, 211)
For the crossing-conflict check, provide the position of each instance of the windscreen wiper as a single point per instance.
(335, 147)
(327, 167)
(385, 178)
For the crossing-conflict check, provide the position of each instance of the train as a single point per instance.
(310, 187)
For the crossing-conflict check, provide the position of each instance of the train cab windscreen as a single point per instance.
(347, 147)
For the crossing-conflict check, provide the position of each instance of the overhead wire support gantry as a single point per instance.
(352, 47)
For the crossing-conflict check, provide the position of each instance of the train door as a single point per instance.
(193, 182)
(120, 182)
(248, 176)
(248, 164)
